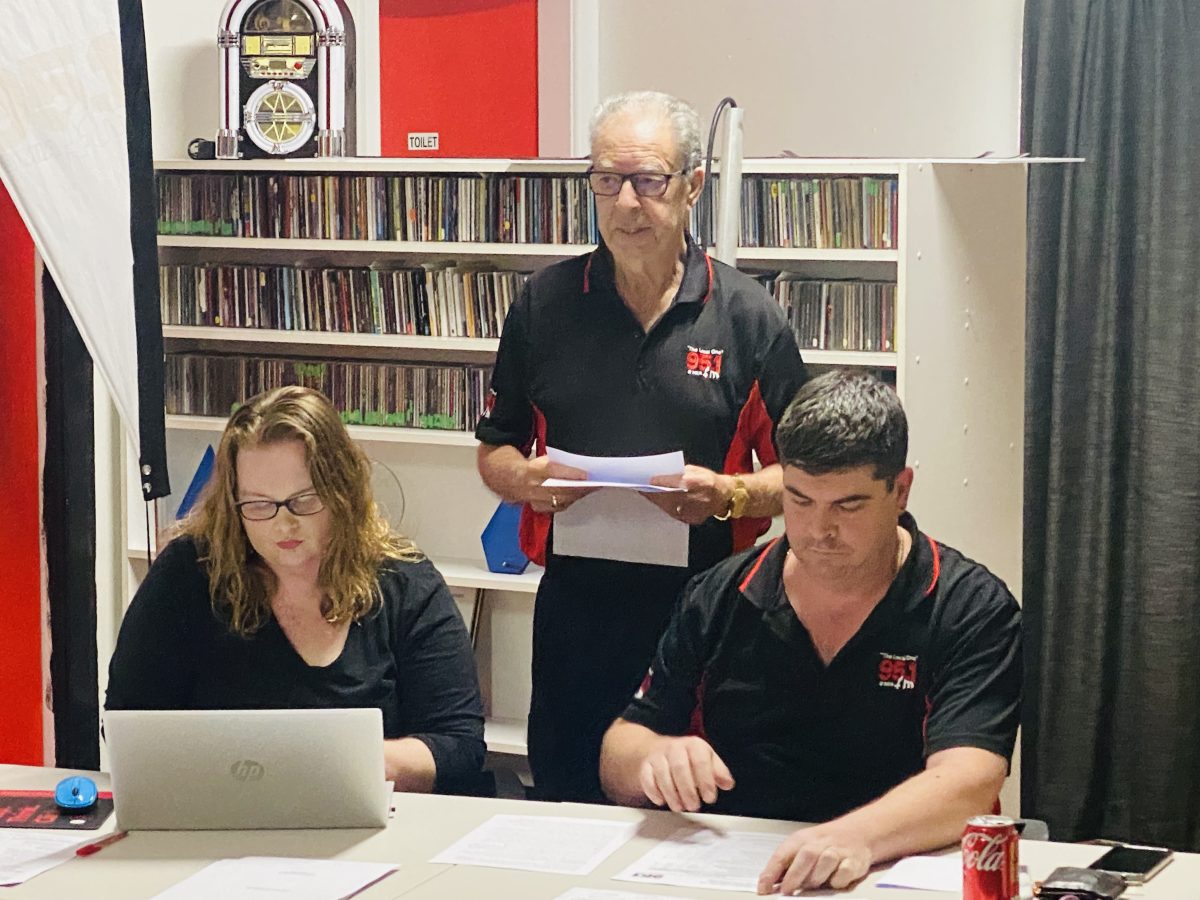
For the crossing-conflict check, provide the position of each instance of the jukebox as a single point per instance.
(283, 79)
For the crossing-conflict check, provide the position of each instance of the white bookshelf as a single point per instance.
(959, 270)
(464, 573)
(368, 434)
(471, 574)
(183, 337)
(784, 255)
(357, 252)
(480, 250)
(505, 736)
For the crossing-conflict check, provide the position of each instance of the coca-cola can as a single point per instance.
(989, 855)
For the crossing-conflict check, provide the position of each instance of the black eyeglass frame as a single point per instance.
(279, 504)
(630, 176)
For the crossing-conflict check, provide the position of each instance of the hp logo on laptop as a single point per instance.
(247, 770)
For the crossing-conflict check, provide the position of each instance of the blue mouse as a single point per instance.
(75, 794)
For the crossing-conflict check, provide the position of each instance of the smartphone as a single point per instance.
(1136, 864)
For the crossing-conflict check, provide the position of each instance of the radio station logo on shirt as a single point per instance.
(704, 362)
(897, 672)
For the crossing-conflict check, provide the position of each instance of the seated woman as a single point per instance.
(287, 589)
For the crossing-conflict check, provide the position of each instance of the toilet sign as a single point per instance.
(422, 140)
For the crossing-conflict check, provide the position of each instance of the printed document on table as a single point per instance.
(936, 873)
(925, 873)
(25, 852)
(583, 893)
(556, 844)
(632, 472)
(699, 858)
(256, 877)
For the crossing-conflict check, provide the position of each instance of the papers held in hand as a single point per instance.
(614, 522)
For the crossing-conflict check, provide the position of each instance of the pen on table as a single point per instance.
(97, 846)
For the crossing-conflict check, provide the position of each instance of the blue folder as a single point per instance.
(501, 543)
(199, 480)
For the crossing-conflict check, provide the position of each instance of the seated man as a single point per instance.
(853, 672)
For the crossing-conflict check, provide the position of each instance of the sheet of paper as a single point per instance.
(632, 471)
(699, 858)
(613, 523)
(925, 873)
(539, 844)
(28, 852)
(937, 873)
(646, 488)
(256, 877)
(599, 894)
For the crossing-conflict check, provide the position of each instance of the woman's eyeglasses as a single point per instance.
(261, 510)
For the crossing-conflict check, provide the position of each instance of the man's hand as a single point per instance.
(815, 857)
(681, 773)
(706, 493)
(551, 500)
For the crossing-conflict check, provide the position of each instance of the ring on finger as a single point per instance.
(553, 502)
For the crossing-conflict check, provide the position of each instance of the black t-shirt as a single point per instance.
(575, 371)
(409, 657)
(936, 665)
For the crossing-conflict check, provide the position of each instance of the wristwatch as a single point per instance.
(736, 508)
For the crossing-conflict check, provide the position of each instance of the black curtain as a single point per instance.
(69, 519)
(143, 239)
(1111, 741)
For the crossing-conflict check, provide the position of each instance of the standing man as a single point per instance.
(854, 672)
(643, 346)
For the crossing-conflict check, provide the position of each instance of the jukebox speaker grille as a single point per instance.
(280, 117)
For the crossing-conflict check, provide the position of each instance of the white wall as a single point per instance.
(908, 78)
(181, 55)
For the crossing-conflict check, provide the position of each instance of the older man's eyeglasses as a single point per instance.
(261, 510)
(645, 184)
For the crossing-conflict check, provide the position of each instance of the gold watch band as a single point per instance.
(736, 507)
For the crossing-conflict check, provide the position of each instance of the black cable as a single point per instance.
(706, 195)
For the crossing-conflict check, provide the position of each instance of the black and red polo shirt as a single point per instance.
(576, 371)
(936, 665)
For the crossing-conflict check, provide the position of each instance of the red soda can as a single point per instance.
(989, 855)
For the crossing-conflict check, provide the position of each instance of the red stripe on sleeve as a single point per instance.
(534, 530)
(751, 436)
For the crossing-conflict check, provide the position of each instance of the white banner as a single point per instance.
(64, 160)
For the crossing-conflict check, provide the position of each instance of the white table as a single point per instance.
(147, 862)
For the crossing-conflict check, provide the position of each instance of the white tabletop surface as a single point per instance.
(147, 862)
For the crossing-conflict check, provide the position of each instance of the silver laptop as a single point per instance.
(233, 769)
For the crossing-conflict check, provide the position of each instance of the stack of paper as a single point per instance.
(562, 845)
(254, 877)
(25, 852)
(698, 858)
(615, 521)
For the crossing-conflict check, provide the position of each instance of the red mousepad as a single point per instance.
(36, 809)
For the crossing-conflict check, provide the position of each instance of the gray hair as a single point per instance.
(684, 122)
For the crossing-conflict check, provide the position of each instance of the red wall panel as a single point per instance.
(466, 69)
(20, 542)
